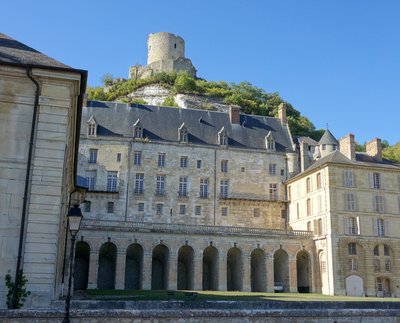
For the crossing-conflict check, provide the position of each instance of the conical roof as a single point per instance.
(327, 139)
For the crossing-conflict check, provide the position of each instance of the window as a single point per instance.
(282, 172)
(224, 184)
(309, 226)
(183, 134)
(139, 183)
(242, 169)
(110, 207)
(319, 181)
(273, 192)
(159, 208)
(319, 227)
(269, 141)
(308, 207)
(91, 180)
(224, 166)
(388, 265)
(204, 188)
(92, 129)
(137, 130)
(182, 192)
(184, 161)
(224, 211)
(378, 204)
(352, 225)
(272, 169)
(160, 185)
(323, 146)
(380, 227)
(198, 164)
(118, 157)
(112, 180)
(308, 185)
(353, 266)
(352, 248)
(88, 206)
(92, 156)
(256, 212)
(182, 209)
(386, 250)
(222, 137)
(141, 207)
(137, 158)
(197, 210)
(377, 265)
(348, 178)
(376, 179)
(161, 160)
(350, 202)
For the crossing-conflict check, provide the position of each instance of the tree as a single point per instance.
(107, 79)
(20, 294)
(184, 84)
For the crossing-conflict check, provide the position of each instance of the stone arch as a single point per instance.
(303, 268)
(134, 266)
(281, 268)
(107, 266)
(258, 270)
(210, 268)
(81, 265)
(354, 286)
(234, 269)
(160, 267)
(185, 268)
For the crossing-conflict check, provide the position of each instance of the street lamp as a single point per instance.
(74, 217)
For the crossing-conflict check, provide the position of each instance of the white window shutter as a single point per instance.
(371, 180)
(358, 225)
(316, 227)
(354, 178)
(386, 222)
(324, 228)
(374, 227)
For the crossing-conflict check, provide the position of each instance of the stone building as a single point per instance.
(350, 200)
(188, 199)
(165, 53)
(40, 110)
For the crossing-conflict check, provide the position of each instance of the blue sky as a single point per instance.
(336, 61)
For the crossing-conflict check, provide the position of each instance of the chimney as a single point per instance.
(234, 114)
(374, 149)
(347, 146)
(304, 156)
(282, 113)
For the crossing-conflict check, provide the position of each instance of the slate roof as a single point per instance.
(307, 140)
(162, 124)
(361, 159)
(327, 139)
(14, 52)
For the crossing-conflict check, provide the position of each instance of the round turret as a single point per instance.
(164, 46)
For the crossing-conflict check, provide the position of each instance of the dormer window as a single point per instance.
(269, 141)
(222, 137)
(183, 135)
(137, 130)
(92, 127)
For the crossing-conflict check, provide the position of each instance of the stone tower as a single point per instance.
(166, 53)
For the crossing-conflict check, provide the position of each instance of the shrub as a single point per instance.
(21, 293)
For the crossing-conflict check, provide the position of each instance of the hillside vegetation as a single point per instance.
(252, 100)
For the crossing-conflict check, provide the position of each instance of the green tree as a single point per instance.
(392, 152)
(107, 79)
(184, 84)
(21, 292)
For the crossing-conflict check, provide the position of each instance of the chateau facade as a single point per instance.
(188, 199)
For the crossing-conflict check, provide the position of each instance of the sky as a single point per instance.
(336, 61)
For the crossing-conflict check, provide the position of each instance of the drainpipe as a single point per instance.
(27, 186)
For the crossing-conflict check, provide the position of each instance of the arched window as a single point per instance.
(137, 130)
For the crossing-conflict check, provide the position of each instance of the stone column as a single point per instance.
(222, 285)
(269, 262)
(292, 274)
(146, 274)
(198, 271)
(173, 270)
(93, 268)
(246, 279)
(120, 271)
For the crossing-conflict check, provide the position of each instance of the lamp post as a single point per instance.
(74, 223)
